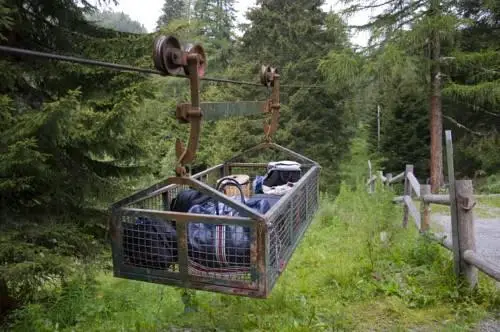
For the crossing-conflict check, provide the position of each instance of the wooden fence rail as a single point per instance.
(461, 201)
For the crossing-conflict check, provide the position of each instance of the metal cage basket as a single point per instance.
(141, 226)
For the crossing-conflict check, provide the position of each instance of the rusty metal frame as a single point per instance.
(157, 188)
(270, 145)
(262, 280)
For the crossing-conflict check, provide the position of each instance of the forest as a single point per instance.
(75, 139)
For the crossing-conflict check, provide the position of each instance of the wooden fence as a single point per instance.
(460, 199)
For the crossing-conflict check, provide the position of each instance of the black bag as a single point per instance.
(277, 178)
(150, 243)
(282, 172)
(186, 199)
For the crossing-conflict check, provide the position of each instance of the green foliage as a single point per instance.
(316, 122)
(117, 21)
(472, 90)
(490, 185)
(36, 256)
(485, 94)
(71, 135)
(342, 277)
(65, 145)
(6, 19)
(172, 10)
(76, 138)
(216, 22)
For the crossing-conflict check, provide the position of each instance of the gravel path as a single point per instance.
(487, 233)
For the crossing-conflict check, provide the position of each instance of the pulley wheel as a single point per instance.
(267, 75)
(202, 58)
(167, 55)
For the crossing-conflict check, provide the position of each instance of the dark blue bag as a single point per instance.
(221, 247)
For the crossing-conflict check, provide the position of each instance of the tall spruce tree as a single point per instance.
(294, 36)
(172, 10)
(431, 22)
(216, 18)
(68, 134)
(217, 15)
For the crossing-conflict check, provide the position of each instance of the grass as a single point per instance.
(342, 277)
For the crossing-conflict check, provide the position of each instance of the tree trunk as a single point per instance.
(436, 116)
(7, 303)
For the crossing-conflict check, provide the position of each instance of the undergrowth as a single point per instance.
(356, 269)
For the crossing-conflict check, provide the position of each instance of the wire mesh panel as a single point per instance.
(236, 250)
(289, 221)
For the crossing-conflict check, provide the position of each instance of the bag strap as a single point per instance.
(231, 182)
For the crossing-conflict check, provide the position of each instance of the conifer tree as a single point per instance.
(69, 134)
(216, 18)
(172, 10)
(314, 121)
(432, 22)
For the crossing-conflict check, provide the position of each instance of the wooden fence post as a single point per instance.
(453, 204)
(466, 235)
(407, 192)
(425, 208)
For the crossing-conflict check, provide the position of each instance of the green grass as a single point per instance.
(341, 278)
(492, 201)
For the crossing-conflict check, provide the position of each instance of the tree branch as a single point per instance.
(459, 125)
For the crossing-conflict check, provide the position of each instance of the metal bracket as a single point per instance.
(171, 59)
(466, 203)
(269, 77)
(190, 113)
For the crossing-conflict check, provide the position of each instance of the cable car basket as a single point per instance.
(241, 251)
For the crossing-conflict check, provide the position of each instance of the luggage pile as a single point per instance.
(212, 248)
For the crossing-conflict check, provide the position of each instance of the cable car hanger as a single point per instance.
(170, 59)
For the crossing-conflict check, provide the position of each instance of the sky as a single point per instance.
(147, 12)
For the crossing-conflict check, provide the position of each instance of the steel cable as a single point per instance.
(119, 67)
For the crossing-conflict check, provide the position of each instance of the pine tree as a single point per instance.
(295, 36)
(172, 10)
(216, 18)
(69, 134)
(217, 15)
(432, 21)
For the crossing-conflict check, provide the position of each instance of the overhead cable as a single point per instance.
(120, 67)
